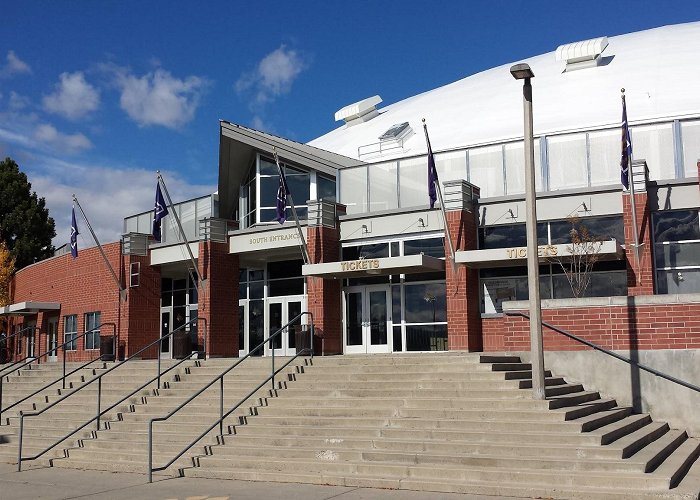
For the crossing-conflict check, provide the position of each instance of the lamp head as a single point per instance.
(521, 71)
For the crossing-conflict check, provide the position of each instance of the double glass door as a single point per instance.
(52, 339)
(259, 319)
(367, 319)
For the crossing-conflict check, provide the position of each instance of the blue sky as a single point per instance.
(97, 96)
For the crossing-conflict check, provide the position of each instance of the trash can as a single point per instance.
(181, 345)
(301, 338)
(107, 348)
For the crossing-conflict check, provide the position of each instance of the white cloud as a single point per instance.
(14, 66)
(73, 97)
(17, 102)
(68, 143)
(158, 98)
(106, 193)
(273, 76)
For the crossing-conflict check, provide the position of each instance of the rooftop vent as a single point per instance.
(360, 111)
(585, 54)
(396, 132)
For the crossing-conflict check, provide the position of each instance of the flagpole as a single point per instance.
(630, 178)
(302, 240)
(442, 202)
(122, 290)
(202, 281)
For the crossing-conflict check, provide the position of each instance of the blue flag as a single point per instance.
(73, 235)
(282, 193)
(160, 211)
(432, 173)
(626, 158)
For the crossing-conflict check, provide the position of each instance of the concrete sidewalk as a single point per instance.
(55, 483)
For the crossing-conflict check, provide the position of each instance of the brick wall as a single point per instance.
(324, 295)
(643, 327)
(140, 314)
(218, 299)
(80, 285)
(462, 286)
(640, 275)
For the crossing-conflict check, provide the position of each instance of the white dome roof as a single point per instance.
(658, 69)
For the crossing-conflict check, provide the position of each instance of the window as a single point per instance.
(690, 134)
(654, 143)
(325, 188)
(413, 182)
(568, 166)
(486, 170)
(70, 331)
(353, 189)
(383, 194)
(92, 337)
(677, 251)
(604, 152)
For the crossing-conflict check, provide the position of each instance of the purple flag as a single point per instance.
(159, 212)
(282, 193)
(626, 158)
(432, 173)
(73, 235)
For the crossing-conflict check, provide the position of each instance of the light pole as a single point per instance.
(523, 72)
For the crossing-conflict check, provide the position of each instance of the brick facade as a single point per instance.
(325, 295)
(640, 275)
(218, 299)
(462, 286)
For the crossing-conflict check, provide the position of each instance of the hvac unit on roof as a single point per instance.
(584, 54)
(360, 111)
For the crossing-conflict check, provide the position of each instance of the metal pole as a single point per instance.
(533, 269)
(633, 206)
(21, 435)
(64, 364)
(272, 347)
(122, 290)
(150, 451)
(221, 408)
(1, 398)
(182, 231)
(99, 396)
(160, 349)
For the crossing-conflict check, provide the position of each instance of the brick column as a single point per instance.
(324, 295)
(462, 282)
(640, 275)
(139, 322)
(218, 299)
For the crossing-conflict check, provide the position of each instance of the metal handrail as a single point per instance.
(7, 344)
(220, 378)
(63, 377)
(98, 378)
(630, 362)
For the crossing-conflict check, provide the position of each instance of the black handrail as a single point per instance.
(220, 378)
(50, 384)
(6, 339)
(98, 378)
(63, 377)
(610, 353)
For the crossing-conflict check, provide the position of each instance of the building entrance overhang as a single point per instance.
(517, 256)
(29, 308)
(408, 264)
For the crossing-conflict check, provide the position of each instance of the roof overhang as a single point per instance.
(408, 264)
(517, 256)
(28, 308)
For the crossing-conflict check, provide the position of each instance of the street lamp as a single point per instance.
(523, 72)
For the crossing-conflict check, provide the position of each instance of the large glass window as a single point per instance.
(509, 235)
(604, 228)
(383, 194)
(70, 332)
(568, 166)
(434, 247)
(677, 251)
(451, 166)
(413, 182)
(353, 189)
(325, 188)
(604, 152)
(654, 143)
(299, 187)
(367, 251)
(690, 134)
(284, 278)
(486, 170)
(92, 337)
(515, 167)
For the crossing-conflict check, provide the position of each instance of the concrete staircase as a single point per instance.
(43, 430)
(452, 423)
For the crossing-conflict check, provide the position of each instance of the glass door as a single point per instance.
(52, 339)
(367, 316)
(280, 311)
(165, 328)
(31, 338)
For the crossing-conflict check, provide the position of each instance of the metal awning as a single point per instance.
(27, 308)
(408, 264)
(517, 256)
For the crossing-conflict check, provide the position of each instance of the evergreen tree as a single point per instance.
(7, 267)
(25, 225)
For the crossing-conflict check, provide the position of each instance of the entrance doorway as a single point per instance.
(52, 338)
(367, 315)
(280, 311)
(31, 338)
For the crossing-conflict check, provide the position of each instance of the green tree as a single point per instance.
(7, 267)
(25, 225)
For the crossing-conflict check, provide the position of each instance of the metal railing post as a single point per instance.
(150, 451)
(21, 434)
(221, 407)
(37, 345)
(311, 339)
(99, 398)
(64, 364)
(1, 379)
(160, 349)
(272, 347)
